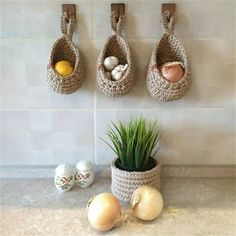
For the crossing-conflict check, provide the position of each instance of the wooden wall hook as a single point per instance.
(169, 8)
(70, 10)
(119, 8)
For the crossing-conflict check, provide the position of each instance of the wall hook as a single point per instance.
(168, 8)
(70, 10)
(119, 8)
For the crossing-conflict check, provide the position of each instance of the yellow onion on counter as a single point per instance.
(173, 71)
(146, 202)
(104, 211)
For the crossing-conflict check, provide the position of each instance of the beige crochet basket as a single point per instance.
(117, 46)
(168, 49)
(64, 49)
(125, 182)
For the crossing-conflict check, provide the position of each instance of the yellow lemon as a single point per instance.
(63, 68)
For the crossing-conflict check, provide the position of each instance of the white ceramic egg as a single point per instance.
(110, 63)
(84, 173)
(64, 177)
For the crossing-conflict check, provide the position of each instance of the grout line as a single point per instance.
(176, 171)
(94, 92)
(3, 40)
(154, 108)
(111, 109)
(48, 109)
(95, 130)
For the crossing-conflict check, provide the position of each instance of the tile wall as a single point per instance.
(40, 127)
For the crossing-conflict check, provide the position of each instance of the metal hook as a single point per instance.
(70, 10)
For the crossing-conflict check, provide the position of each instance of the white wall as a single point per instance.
(40, 127)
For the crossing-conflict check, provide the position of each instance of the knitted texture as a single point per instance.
(125, 182)
(64, 49)
(168, 49)
(116, 46)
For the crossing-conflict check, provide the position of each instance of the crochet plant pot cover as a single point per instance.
(168, 49)
(64, 49)
(125, 182)
(116, 45)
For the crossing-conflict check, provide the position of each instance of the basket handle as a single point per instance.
(167, 23)
(117, 22)
(67, 28)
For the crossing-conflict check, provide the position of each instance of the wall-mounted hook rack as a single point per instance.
(119, 8)
(168, 7)
(70, 10)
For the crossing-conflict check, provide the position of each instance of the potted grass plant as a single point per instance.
(135, 145)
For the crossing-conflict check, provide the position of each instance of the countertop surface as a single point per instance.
(192, 206)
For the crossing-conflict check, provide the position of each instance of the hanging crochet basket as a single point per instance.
(64, 49)
(168, 49)
(117, 46)
(125, 182)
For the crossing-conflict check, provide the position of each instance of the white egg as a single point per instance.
(110, 63)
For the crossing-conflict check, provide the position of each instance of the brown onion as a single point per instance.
(172, 71)
(104, 211)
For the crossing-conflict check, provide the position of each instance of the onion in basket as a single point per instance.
(173, 71)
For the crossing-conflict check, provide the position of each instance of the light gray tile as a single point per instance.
(15, 140)
(209, 120)
(41, 136)
(101, 20)
(207, 51)
(27, 82)
(187, 135)
(42, 19)
(25, 51)
(213, 86)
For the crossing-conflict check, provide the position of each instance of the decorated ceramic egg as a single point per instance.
(84, 173)
(64, 177)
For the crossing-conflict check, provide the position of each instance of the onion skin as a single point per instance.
(104, 211)
(147, 203)
(172, 71)
(108, 75)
